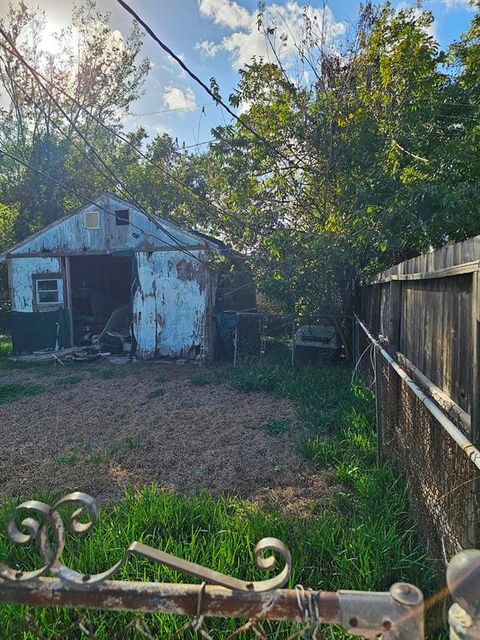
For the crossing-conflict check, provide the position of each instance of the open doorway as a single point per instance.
(100, 286)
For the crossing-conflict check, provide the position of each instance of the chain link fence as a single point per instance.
(427, 450)
(266, 338)
(143, 626)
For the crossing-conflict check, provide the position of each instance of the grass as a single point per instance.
(156, 393)
(277, 427)
(16, 391)
(361, 537)
(69, 380)
(201, 380)
(84, 454)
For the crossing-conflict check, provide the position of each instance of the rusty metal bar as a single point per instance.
(463, 442)
(399, 611)
(177, 599)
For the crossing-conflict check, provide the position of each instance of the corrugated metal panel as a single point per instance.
(170, 304)
(22, 270)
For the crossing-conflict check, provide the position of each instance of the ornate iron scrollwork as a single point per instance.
(49, 533)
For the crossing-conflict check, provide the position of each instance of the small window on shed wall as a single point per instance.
(122, 217)
(47, 291)
(92, 220)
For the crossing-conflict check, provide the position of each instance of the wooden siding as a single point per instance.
(69, 235)
(427, 309)
(170, 304)
(22, 272)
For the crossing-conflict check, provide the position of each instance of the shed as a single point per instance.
(109, 269)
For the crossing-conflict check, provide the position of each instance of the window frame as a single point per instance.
(122, 222)
(47, 277)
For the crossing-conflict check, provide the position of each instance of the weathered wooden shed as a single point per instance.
(68, 279)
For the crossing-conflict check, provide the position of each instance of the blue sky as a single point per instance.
(214, 38)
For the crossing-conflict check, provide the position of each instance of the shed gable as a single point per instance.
(91, 229)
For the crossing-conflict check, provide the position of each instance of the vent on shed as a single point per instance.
(92, 220)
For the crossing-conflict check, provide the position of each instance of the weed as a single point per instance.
(102, 373)
(156, 393)
(12, 392)
(5, 347)
(218, 532)
(126, 444)
(97, 457)
(277, 427)
(67, 380)
(161, 379)
(360, 537)
(69, 458)
(200, 380)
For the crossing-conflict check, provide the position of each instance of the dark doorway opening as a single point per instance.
(100, 285)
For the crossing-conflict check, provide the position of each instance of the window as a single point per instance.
(47, 291)
(92, 220)
(121, 217)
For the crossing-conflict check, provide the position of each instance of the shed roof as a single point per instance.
(108, 196)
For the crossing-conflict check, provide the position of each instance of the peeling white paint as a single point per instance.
(174, 292)
(170, 304)
(22, 272)
(70, 234)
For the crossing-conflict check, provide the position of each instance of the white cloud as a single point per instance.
(178, 98)
(226, 13)
(465, 4)
(246, 41)
(207, 48)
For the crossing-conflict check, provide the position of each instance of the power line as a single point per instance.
(97, 155)
(85, 199)
(13, 50)
(192, 108)
(212, 94)
(197, 144)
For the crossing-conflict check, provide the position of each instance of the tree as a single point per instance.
(43, 126)
(357, 173)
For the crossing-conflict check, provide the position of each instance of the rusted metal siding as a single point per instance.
(170, 304)
(70, 235)
(22, 271)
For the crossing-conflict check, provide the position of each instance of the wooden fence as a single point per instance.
(426, 311)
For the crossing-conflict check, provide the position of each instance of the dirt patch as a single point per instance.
(120, 426)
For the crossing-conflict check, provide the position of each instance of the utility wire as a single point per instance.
(192, 108)
(116, 180)
(13, 50)
(81, 197)
(106, 177)
(217, 98)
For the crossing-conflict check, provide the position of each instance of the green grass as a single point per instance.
(200, 380)
(156, 393)
(83, 453)
(277, 427)
(5, 347)
(16, 391)
(69, 380)
(360, 537)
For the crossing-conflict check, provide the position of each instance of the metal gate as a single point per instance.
(396, 614)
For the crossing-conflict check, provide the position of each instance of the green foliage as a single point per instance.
(373, 159)
(201, 379)
(373, 152)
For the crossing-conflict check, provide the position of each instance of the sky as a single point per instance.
(216, 38)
